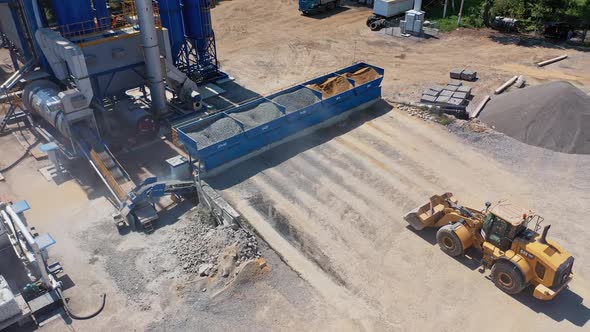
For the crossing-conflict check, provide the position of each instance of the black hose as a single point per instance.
(76, 317)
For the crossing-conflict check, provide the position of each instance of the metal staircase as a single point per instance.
(7, 97)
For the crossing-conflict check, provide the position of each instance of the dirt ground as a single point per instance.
(331, 206)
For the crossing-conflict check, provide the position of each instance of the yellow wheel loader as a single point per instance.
(517, 254)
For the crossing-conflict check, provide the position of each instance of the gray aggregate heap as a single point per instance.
(554, 116)
(258, 115)
(297, 100)
(217, 131)
(201, 243)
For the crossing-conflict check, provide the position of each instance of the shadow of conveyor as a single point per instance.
(245, 170)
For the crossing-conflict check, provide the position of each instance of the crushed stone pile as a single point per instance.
(204, 248)
(258, 115)
(297, 100)
(216, 132)
(363, 76)
(332, 86)
(555, 116)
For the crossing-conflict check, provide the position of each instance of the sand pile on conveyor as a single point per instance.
(217, 131)
(297, 100)
(258, 115)
(363, 76)
(332, 86)
(554, 116)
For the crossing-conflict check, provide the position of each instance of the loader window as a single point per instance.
(540, 270)
(498, 232)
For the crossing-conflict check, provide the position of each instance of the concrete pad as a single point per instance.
(447, 93)
(443, 99)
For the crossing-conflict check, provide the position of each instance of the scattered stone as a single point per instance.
(204, 248)
(204, 269)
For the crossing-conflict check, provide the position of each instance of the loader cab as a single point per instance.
(503, 224)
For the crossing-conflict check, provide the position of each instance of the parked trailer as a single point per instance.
(307, 7)
(292, 123)
(385, 11)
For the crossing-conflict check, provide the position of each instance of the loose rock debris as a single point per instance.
(206, 249)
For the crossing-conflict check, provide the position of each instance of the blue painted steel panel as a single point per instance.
(256, 138)
(199, 32)
(74, 16)
(103, 15)
(172, 19)
(197, 16)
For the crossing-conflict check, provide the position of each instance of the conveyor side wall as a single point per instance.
(253, 139)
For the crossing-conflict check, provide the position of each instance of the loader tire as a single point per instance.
(449, 242)
(376, 25)
(507, 277)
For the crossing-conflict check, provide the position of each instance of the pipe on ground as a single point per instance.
(151, 52)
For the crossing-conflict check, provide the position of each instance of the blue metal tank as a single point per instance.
(199, 30)
(103, 15)
(172, 19)
(74, 17)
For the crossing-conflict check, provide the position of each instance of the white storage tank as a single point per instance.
(390, 8)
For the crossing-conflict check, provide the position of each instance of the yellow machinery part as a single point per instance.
(464, 235)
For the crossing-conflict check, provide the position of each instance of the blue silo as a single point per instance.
(199, 32)
(172, 19)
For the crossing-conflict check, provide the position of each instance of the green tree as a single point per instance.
(549, 10)
(487, 7)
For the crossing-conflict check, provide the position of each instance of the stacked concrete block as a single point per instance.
(465, 89)
(469, 75)
(428, 99)
(455, 83)
(460, 95)
(447, 93)
(456, 74)
(452, 88)
(463, 74)
(453, 96)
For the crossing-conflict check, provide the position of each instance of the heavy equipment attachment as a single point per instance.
(517, 254)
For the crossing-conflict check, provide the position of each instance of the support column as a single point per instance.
(151, 52)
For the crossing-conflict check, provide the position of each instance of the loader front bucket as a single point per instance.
(430, 213)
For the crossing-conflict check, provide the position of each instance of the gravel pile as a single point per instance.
(204, 248)
(217, 131)
(258, 115)
(297, 100)
(555, 116)
(332, 86)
